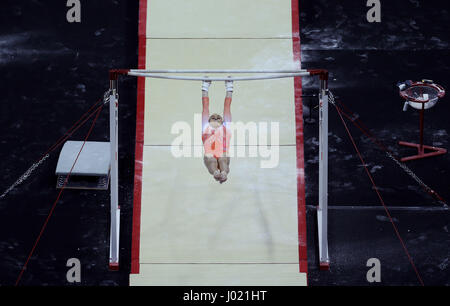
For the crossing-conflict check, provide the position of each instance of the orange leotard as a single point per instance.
(216, 141)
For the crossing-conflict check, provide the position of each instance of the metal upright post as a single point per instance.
(422, 115)
(114, 187)
(322, 211)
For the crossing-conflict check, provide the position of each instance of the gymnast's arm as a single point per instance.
(205, 103)
(227, 103)
(227, 107)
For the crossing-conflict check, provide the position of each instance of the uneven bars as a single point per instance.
(187, 78)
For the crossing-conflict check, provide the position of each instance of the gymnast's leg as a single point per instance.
(212, 165)
(224, 164)
(224, 167)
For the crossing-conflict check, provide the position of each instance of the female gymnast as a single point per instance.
(216, 134)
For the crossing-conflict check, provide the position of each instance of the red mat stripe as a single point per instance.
(301, 205)
(139, 149)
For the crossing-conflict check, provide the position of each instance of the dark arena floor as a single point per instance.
(53, 71)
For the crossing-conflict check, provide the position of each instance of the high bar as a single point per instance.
(247, 78)
(217, 71)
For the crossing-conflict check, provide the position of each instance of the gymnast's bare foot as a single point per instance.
(217, 175)
(223, 177)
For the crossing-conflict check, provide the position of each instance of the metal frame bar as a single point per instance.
(216, 71)
(204, 78)
(322, 210)
(114, 188)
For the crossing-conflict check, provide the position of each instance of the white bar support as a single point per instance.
(322, 211)
(114, 187)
